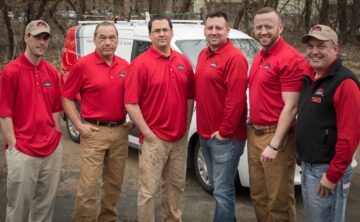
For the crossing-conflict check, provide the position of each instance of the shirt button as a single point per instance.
(37, 83)
(171, 70)
(111, 77)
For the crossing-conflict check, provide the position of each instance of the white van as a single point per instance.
(133, 40)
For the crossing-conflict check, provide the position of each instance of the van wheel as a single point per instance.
(73, 133)
(201, 170)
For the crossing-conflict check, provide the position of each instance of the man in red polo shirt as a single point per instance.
(29, 116)
(221, 82)
(275, 82)
(99, 78)
(159, 97)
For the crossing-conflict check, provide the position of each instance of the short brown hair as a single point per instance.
(266, 10)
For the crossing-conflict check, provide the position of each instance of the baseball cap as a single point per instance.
(36, 27)
(321, 32)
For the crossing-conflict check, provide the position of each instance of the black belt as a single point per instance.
(103, 123)
(261, 130)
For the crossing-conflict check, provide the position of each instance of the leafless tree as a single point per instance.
(342, 18)
(10, 32)
(324, 12)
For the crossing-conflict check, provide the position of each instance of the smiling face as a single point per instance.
(267, 29)
(216, 32)
(106, 41)
(320, 54)
(36, 45)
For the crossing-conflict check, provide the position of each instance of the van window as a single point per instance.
(192, 48)
(139, 47)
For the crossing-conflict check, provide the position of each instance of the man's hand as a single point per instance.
(325, 187)
(268, 155)
(216, 135)
(86, 129)
(130, 125)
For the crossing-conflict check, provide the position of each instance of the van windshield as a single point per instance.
(192, 48)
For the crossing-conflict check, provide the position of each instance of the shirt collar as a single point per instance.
(158, 55)
(311, 72)
(26, 61)
(100, 60)
(276, 48)
(223, 49)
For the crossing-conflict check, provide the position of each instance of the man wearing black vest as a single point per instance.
(327, 129)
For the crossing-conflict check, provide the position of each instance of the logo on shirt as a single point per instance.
(318, 94)
(121, 75)
(180, 67)
(213, 65)
(267, 66)
(47, 84)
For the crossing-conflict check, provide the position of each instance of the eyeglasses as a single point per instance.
(158, 31)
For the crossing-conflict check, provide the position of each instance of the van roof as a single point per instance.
(182, 31)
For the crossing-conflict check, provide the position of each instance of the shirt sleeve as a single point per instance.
(236, 81)
(73, 83)
(8, 89)
(292, 74)
(134, 83)
(347, 106)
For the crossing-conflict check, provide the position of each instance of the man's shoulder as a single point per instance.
(13, 67)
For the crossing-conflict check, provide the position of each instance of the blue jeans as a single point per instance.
(222, 159)
(326, 209)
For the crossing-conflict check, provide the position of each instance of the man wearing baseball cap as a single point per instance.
(29, 116)
(327, 129)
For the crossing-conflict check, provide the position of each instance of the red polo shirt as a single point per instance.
(161, 86)
(221, 82)
(347, 107)
(29, 94)
(101, 87)
(280, 69)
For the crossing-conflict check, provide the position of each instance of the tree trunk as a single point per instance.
(354, 21)
(5, 9)
(324, 12)
(307, 13)
(239, 17)
(342, 18)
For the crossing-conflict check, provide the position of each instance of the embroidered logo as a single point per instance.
(267, 66)
(47, 84)
(319, 92)
(121, 75)
(41, 24)
(316, 28)
(213, 65)
(180, 67)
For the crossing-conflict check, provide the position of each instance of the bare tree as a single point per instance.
(10, 32)
(307, 13)
(324, 12)
(354, 20)
(342, 18)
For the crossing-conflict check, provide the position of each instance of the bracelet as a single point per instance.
(272, 147)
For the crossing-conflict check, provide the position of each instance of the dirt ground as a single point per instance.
(197, 205)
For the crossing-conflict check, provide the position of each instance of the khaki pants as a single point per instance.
(272, 184)
(165, 161)
(31, 185)
(103, 157)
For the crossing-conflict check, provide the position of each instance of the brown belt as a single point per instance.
(261, 130)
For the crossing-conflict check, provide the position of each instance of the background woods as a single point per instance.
(298, 16)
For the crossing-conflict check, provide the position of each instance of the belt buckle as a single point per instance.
(259, 132)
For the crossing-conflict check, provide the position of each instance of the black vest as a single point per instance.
(316, 131)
